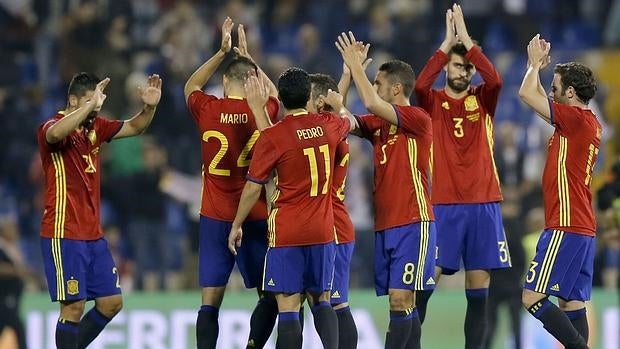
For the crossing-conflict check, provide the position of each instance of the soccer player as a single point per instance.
(345, 232)
(301, 149)
(563, 264)
(466, 191)
(78, 263)
(229, 131)
(405, 232)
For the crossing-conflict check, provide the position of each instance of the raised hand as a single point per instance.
(459, 25)
(151, 93)
(99, 97)
(537, 51)
(450, 39)
(226, 35)
(363, 52)
(347, 45)
(242, 49)
(334, 99)
(256, 92)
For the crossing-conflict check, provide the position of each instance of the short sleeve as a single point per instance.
(106, 129)
(368, 124)
(413, 120)
(263, 160)
(42, 130)
(564, 117)
(197, 101)
(273, 108)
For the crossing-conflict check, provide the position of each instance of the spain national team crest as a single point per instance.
(92, 137)
(73, 287)
(471, 103)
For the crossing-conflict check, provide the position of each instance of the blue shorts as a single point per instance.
(217, 262)
(299, 269)
(563, 265)
(405, 258)
(79, 269)
(342, 268)
(473, 233)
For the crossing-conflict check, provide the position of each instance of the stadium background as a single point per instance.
(151, 183)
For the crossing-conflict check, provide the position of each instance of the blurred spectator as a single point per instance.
(609, 204)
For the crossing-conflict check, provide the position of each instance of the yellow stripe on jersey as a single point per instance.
(271, 220)
(417, 179)
(549, 261)
(61, 195)
(563, 193)
(422, 253)
(488, 121)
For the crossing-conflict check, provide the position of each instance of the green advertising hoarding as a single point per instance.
(167, 321)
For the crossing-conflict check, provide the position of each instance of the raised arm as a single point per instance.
(63, 127)
(345, 79)
(200, 77)
(150, 95)
(370, 98)
(242, 50)
(257, 94)
(430, 72)
(531, 91)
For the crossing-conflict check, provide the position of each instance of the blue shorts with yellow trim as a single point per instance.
(405, 258)
(299, 269)
(563, 265)
(342, 269)
(217, 262)
(79, 269)
(473, 234)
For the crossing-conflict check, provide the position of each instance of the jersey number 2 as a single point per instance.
(242, 160)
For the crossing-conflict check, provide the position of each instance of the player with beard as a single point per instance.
(78, 263)
(466, 190)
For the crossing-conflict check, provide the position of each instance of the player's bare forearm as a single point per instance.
(370, 98)
(343, 85)
(200, 77)
(249, 197)
(260, 117)
(529, 92)
(138, 123)
(63, 127)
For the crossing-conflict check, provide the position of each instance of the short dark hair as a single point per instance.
(458, 49)
(82, 83)
(294, 88)
(579, 77)
(238, 68)
(398, 71)
(321, 83)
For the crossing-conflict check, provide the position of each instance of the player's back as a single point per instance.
(302, 150)
(573, 150)
(228, 132)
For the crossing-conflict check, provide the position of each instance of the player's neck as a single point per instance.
(400, 100)
(296, 111)
(454, 94)
(577, 103)
(235, 91)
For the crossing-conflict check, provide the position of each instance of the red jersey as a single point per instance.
(228, 131)
(464, 169)
(345, 232)
(72, 180)
(302, 151)
(402, 165)
(572, 153)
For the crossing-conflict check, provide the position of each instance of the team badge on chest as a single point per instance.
(471, 103)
